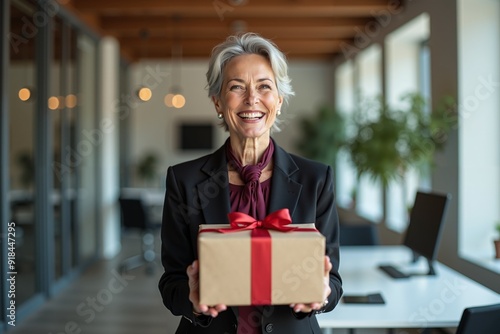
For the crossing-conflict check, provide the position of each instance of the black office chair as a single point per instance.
(480, 319)
(358, 234)
(134, 217)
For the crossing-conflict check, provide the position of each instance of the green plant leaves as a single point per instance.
(394, 140)
(322, 135)
(387, 141)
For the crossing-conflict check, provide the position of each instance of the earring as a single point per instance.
(278, 112)
(220, 116)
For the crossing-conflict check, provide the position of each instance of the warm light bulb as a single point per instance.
(168, 100)
(24, 94)
(71, 101)
(178, 101)
(53, 102)
(144, 94)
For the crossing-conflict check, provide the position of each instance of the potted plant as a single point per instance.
(322, 135)
(497, 241)
(147, 166)
(388, 142)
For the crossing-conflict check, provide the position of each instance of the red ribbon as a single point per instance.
(261, 267)
(274, 221)
(261, 247)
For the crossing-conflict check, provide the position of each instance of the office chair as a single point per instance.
(480, 319)
(134, 217)
(358, 234)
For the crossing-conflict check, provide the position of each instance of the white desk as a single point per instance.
(415, 302)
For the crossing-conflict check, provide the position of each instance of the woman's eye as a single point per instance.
(236, 87)
(265, 86)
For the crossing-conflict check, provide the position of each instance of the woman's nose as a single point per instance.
(251, 97)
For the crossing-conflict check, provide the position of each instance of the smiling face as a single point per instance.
(249, 98)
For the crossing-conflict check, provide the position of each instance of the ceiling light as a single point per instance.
(25, 94)
(144, 94)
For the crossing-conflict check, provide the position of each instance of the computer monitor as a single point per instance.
(423, 234)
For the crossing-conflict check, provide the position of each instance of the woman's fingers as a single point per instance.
(194, 293)
(328, 265)
(306, 308)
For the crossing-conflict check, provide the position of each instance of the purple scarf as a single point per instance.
(252, 200)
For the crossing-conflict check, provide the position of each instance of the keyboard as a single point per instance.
(392, 271)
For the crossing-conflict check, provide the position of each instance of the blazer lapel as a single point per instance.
(285, 191)
(213, 193)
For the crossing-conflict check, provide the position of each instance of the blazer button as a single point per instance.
(269, 328)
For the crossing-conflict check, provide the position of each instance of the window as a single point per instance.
(345, 174)
(369, 202)
(407, 59)
(407, 71)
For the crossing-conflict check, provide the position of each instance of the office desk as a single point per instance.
(415, 302)
(152, 198)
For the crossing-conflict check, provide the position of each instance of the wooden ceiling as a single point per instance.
(303, 29)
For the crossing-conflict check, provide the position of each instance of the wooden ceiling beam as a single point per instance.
(223, 9)
(157, 22)
(312, 29)
(122, 22)
(194, 46)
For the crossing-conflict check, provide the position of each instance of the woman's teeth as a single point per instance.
(249, 115)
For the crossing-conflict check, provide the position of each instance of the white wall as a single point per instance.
(154, 126)
(479, 122)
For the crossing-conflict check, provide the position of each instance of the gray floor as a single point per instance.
(103, 302)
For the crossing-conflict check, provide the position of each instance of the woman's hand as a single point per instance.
(306, 308)
(194, 293)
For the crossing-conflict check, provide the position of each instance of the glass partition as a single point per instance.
(56, 106)
(22, 101)
(64, 97)
(88, 137)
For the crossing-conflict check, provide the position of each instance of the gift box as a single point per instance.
(260, 263)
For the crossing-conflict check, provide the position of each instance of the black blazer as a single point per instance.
(197, 192)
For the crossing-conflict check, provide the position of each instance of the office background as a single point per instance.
(63, 165)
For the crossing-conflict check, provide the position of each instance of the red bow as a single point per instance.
(274, 221)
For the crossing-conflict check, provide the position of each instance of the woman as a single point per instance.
(248, 84)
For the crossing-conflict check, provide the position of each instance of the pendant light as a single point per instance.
(175, 98)
(144, 93)
(26, 92)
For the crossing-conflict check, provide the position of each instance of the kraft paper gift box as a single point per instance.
(286, 268)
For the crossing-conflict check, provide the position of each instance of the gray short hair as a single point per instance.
(248, 43)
